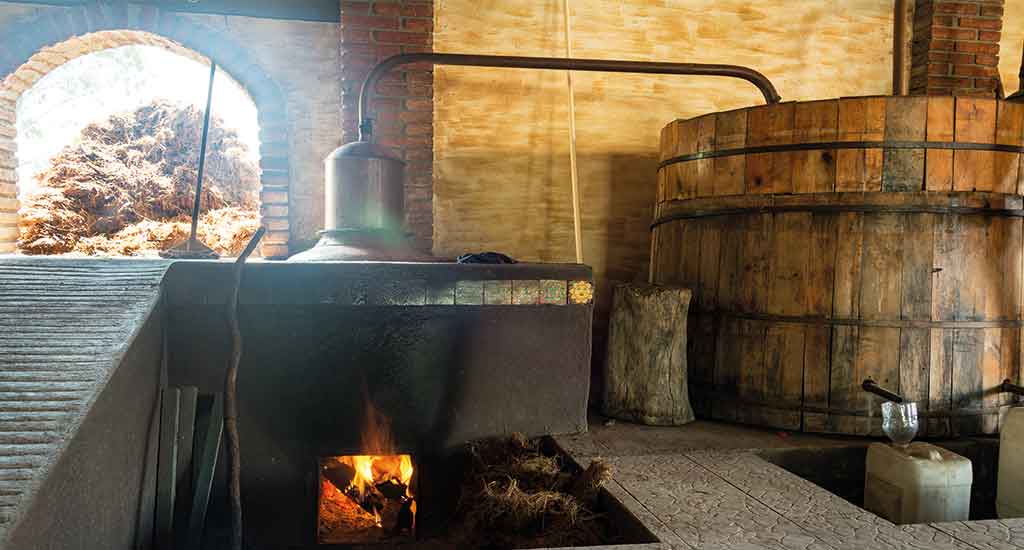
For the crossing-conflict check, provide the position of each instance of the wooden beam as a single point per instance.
(300, 10)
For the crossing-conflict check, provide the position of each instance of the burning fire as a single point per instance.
(375, 476)
(368, 493)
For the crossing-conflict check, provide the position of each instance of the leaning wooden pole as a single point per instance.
(231, 396)
(577, 225)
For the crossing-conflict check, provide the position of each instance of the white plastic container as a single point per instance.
(1010, 492)
(922, 485)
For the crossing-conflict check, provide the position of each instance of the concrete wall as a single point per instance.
(501, 166)
(101, 494)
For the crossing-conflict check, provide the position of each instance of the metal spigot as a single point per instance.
(871, 386)
(1010, 387)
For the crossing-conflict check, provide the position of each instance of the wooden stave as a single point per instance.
(709, 317)
(959, 121)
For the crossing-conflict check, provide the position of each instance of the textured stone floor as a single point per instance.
(703, 486)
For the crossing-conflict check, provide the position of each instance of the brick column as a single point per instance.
(404, 100)
(956, 47)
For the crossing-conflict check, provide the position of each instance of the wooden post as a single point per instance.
(645, 377)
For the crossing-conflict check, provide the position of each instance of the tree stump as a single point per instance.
(645, 368)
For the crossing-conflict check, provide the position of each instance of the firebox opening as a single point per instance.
(366, 499)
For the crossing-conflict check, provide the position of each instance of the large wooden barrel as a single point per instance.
(832, 241)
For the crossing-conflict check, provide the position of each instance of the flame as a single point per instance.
(372, 471)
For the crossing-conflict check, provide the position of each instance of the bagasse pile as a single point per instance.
(516, 496)
(127, 186)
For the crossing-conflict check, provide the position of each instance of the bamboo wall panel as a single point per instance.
(825, 269)
(501, 164)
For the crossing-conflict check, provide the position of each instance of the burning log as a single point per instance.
(375, 488)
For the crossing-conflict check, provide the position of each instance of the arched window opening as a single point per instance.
(108, 148)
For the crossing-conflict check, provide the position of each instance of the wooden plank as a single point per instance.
(843, 384)
(918, 243)
(1002, 268)
(1009, 131)
(730, 133)
(881, 270)
(992, 361)
(783, 381)
(704, 169)
(914, 369)
(819, 291)
(710, 259)
(167, 468)
(689, 252)
(186, 432)
(788, 264)
(815, 122)
(981, 277)
(975, 123)
(967, 379)
(905, 119)
(667, 141)
(939, 162)
(950, 272)
(209, 429)
(817, 340)
(849, 252)
(940, 381)
(751, 343)
(860, 119)
(728, 366)
(755, 263)
(878, 352)
(729, 270)
(687, 170)
(704, 332)
(770, 125)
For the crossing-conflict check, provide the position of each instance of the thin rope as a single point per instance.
(574, 172)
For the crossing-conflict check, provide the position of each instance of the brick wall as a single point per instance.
(403, 106)
(290, 68)
(956, 47)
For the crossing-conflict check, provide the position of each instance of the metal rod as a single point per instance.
(555, 63)
(1010, 387)
(871, 386)
(202, 156)
(574, 174)
(234, 449)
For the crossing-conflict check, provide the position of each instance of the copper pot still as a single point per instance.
(364, 207)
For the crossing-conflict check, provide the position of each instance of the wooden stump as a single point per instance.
(645, 369)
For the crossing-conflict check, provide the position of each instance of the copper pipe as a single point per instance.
(555, 63)
(1010, 387)
(871, 386)
(900, 85)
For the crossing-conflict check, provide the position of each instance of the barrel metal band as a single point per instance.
(722, 315)
(949, 145)
(732, 398)
(837, 208)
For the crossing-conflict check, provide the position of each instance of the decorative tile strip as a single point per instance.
(469, 293)
(553, 292)
(581, 292)
(472, 292)
(440, 293)
(497, 293)
(525, 293)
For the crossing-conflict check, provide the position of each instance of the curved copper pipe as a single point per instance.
(555, 63)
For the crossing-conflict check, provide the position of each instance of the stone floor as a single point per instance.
(704, 486)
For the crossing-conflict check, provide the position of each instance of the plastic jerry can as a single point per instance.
(1010, 491)
(922, 485)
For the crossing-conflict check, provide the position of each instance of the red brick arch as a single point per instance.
(30, 49)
